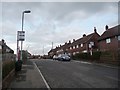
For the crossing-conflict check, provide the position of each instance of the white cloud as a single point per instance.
(54, 22)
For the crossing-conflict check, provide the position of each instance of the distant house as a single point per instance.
(62, 49)
(110, 39)
(52, 52)
(84, 44)
(4, 48)
(7, 52)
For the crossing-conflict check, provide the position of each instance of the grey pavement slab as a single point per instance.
(28, 77)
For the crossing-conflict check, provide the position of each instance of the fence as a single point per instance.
(8, 63)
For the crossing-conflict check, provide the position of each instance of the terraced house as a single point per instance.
(85, 44)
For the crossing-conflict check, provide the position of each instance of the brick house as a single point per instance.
(63, 48)
(109, 44)
(84, 44)
(59, 50)
(52, 52)
(110, 39)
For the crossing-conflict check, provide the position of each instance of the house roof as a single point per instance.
(82, 40)
(2, 43)
(111, 32)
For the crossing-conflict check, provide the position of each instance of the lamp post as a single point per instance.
(27, 11)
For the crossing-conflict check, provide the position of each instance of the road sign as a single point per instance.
(21, 35)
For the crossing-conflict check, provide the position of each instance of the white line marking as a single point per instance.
(48, 87)
(108, 66)
(86, 62)
(97, 64)
(113, 78)
(83, 62)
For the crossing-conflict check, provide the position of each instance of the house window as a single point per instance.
(108, 40)
(85, 51)
(0, 47)
(119, 38)
(73, 47)
(92, 43)
(74, 53)
(77, 52)
(81, 45)
(77, 46)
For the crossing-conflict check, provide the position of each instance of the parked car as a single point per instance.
(63, 57)
(55, 57)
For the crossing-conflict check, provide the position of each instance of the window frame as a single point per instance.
(81, 45)
(119, 38)
(108, 40)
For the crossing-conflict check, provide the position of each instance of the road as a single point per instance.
(75, 74)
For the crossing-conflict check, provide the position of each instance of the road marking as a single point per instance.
(83, 62)
(48, 87)
(116, 79)
(97, 64)
(116, 67)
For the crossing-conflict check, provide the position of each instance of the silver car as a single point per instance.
(63, 57)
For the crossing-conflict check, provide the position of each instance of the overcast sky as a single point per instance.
(56, 22)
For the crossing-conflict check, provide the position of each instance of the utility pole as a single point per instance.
(27, 11)
(43, 49)
(52, 45)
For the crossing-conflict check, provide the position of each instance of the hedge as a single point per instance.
(87, 56)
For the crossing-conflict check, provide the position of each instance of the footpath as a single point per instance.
(28, 77)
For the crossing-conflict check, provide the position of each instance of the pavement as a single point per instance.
(28, 77)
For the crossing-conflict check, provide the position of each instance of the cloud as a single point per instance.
(55, 22)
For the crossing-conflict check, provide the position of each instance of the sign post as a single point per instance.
(20, 37)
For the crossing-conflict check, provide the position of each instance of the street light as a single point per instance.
(26, 11)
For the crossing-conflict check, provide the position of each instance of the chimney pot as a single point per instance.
(69, 41)
(3, 41)
(73, 40)
(106, 27)
(95, 30)
(84, 35)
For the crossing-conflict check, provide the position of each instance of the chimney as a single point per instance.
(73, 40)
(84, 35)
(95, 30)
(69, 41)
(3, 42)
(106, 27)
